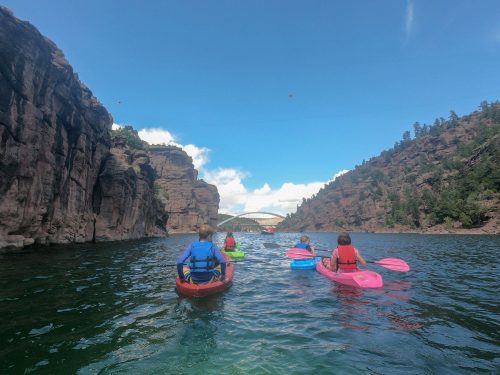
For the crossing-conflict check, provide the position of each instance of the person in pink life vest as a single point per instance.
(345, 256)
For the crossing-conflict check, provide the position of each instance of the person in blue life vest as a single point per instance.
(305, 243)
(229, 242)
(345, 256)
(206, 263)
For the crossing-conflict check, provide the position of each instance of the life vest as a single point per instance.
(302, 246)
(229, 243)
(347, 258)
(202, 257)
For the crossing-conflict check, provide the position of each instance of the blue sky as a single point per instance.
(273, 98)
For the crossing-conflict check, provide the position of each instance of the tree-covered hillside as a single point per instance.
(447, 176)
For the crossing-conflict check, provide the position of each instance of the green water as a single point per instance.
(112, 309)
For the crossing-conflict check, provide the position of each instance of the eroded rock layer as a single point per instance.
(189, 202)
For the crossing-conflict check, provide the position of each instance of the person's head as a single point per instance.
(344, 239)
(229, 234)
(304, 239)
(205, 231)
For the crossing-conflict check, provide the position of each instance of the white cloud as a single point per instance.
(409, 18)
(236, 198)
(198, 154)
(158, 136)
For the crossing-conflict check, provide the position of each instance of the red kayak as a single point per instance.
(203, 290)
(360, 279)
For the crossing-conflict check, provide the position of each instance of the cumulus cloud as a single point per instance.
(236, 198)
(158, 136)
(198, 154)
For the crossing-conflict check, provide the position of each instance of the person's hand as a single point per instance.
(182, 280)
(222, 278)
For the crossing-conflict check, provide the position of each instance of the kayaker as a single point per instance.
(204, 257)
(305, 243)
(345, 256)
(229, 242)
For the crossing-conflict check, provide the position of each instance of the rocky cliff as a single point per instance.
(189, 202)
(124, 199)
(61, 178)
(445, 179)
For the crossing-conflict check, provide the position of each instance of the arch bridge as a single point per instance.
(261, 221)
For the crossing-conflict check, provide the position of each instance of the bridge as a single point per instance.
(261, 221)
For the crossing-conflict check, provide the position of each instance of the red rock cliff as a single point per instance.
(189, 202)
(59, 182)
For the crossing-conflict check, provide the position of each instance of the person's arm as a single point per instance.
(311, 249)
(333, 260)
(180, 262)
(360, 258)
(333, 263)
(221, 260)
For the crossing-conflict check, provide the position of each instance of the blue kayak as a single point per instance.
(305, 264)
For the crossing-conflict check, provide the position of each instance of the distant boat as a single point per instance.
(268, 231)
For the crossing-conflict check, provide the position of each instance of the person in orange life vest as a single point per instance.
(204, 256)
(305, 243)
(229, 242)
(345, 256)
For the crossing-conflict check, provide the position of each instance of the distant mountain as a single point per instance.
(444, 179)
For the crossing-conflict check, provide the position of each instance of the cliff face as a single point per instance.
(124, 199)
(189, 202)
(446, 179)
(53, 139)
(59, 182)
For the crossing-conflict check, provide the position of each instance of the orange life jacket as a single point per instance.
(229, 243)
(347, 258)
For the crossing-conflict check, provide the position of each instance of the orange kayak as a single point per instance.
(203, 290)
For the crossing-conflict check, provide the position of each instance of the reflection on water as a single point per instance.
(112, 308)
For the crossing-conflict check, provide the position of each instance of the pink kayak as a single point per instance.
(360, 279)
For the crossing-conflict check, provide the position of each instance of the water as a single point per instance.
(112, 309)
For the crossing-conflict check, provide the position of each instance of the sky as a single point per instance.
(273, 99)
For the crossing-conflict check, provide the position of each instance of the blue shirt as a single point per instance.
(191, 251)
(303, 246)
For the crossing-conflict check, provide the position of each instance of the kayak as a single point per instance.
(203, 290)
(360, 279)
(304, 264)
(235, 255)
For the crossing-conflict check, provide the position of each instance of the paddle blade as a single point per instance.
(394, 264)
(296, 253)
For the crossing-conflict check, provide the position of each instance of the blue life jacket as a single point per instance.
(202, 257)
(303, 246)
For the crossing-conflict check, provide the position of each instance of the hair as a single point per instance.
(229, 234)
(344, 239)
(205, 231)
(304, 239)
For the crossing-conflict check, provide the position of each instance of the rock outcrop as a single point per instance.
(189, 202)
(124, 199)
(59, 182)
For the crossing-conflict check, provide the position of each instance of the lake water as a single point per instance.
(111, 308)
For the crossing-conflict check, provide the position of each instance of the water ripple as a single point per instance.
(112, 308)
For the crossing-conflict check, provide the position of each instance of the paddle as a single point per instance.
(393, 264)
